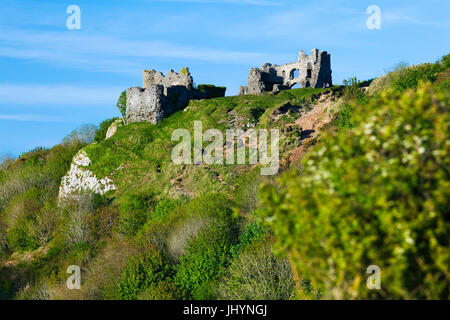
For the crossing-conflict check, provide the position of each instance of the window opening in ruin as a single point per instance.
(309, 71)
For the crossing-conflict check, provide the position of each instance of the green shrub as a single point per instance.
(78, 213)
(194, 216)
(256, 274)
(445, 85)
(103, 221)
(409, 77)
(445, 61)
(4, 246)
(164, 290)
(19, 237)
(122, 103)
(134, 211)
(45, 223)
(374, 195)
(204, 261)
(252, 232)
(141, 273)
(100, 133)
(211, 90)
(164, 207)
(344, 119)
(353, 91)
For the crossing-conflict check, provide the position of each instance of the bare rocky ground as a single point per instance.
(311, 122)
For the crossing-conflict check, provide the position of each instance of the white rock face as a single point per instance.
(81, 179)
(113, 128)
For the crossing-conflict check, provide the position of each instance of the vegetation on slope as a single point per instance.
(373, 190)
(375, 194)
(182, 220)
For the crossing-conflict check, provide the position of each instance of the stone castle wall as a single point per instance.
(308, 71)
(161, 95)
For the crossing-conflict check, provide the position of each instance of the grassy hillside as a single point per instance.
(167, 209)
(202, 232)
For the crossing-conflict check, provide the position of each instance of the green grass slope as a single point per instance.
(142, 151)
(372, 189)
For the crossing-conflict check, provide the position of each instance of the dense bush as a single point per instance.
(134, 210)
(193, 216)
(164, 207)
(164, 290)
(404, 77)
(122, 103)
(141, 273)
(377, 194)
(256, 274)
(4, 246)
(353, 91)
(78, 213)
(45, 223)
(205, 259)
(19, 237)
(344, 120)
(252, 232)
(408, 77)
(211, 90)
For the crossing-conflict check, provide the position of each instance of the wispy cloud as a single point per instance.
(59, 95)
(106, 53)
(241, 2)
(397, 16)
(34, 118)
(313, 23)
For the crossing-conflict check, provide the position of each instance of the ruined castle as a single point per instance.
(308, 71)
(162, 95)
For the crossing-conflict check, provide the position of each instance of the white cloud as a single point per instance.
(33, 118)
(242, 2)
(105, 53)
(397, 16)
(60, 95)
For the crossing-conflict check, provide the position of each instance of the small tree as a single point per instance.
(122, 103)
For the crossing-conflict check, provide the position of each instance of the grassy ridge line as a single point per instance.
(140, 150)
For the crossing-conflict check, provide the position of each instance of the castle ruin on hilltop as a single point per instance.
(162, 95)
(308, 71)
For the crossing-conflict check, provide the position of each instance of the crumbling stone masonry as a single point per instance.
(162, 95)
(309, 71)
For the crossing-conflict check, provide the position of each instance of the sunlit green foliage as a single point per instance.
(374, 195)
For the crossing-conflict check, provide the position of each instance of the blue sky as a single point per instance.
(53, 79)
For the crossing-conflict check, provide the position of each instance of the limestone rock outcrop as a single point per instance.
(80, 179)
(113, 128)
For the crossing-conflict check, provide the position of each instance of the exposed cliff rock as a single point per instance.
(113, 128)
(79, 178)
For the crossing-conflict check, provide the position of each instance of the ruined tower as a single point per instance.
(308, 71)
(162, 95)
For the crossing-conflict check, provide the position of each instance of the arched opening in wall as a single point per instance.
(295, 74)
(296, 86)
(309, 70)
